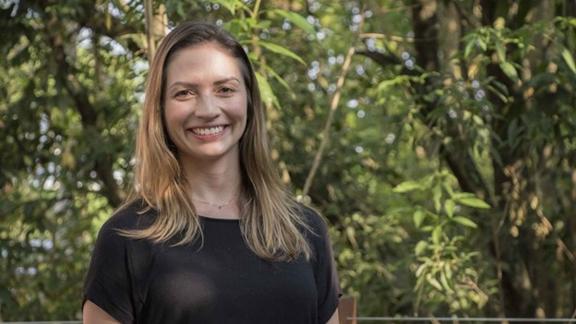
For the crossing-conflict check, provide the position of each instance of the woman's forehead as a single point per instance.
(207, 62)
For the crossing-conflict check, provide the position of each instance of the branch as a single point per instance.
(326, 132)
(88, 115)
(156, 22)
(117, 30)
(333, 106)
(468, 17)
(462, 166)
(381, 58)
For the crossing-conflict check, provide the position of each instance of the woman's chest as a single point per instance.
(224, 281)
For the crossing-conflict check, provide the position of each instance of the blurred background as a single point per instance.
(438, 138)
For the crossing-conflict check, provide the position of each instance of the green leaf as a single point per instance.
(474, 202)
(395, 81)
(420, 247)
(445, 282)
(268, 96)
(482, 44)
(449, 206)
(569, 59)
(437, 197)
(351, 120)
(277, 77)
(237, 27)
(407, 186)
(418, 218)
(509, 70)
(434, 283)
(296, 19)
(500, 90)
(427, 228)
(437, 234)
(501, 52)
(231, 5)
(351, 234)
(421, 269)
(281, 50)
(251, 23)
(469, 47)
(464, 221)
(448, 271)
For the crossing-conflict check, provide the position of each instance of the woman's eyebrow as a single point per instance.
(194, 85)
(183, 84)
(226, 80)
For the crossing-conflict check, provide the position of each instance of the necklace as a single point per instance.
(218, 206)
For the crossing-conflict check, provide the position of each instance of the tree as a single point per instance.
(446, 173)
(497, 95)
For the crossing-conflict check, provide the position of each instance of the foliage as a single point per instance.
(449, 176)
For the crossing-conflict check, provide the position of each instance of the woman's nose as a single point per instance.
(207, 107)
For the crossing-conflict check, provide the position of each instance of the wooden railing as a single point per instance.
(347, 311)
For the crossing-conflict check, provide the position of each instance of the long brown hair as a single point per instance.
(271, 221)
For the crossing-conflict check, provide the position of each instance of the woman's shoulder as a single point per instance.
(317, 234)
(310, 215)
(315, 222)
(113, 241)
(133, 215)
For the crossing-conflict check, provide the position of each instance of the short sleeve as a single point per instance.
(108, 281)
(326, 276)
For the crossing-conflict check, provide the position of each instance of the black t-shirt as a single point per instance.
(221, 281)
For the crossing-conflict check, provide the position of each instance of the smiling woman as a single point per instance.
(206, 105)
(209, 234)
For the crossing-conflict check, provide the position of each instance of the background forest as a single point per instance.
(438, 138)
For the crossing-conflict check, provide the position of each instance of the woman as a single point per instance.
(209, 235)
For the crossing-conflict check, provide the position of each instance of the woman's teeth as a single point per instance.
(208, 130)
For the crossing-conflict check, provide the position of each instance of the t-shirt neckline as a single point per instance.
(219, 220)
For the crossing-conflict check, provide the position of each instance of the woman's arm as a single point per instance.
(92, 314)
(334, 318)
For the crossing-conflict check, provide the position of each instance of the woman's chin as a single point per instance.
(212, 154)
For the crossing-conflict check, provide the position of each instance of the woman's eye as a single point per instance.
(226, 90)
(183, 94)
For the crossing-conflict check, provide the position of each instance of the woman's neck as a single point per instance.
(214, 182)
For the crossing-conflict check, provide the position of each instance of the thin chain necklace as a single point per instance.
(218, 206)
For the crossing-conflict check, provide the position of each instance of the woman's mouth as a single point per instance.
(208, 131)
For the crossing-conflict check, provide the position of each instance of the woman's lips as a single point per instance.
(208, 132)
(204, 131)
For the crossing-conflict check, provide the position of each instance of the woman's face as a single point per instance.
(205, 103)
